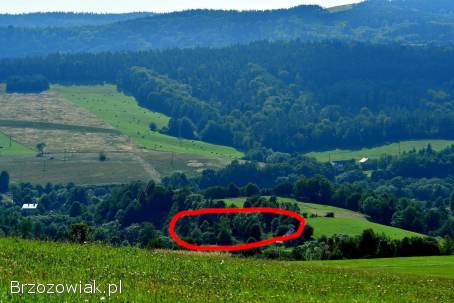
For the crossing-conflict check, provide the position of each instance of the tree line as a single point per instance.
(27, 84)
(138, 214)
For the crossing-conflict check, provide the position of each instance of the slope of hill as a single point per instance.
(393, 149)
(37, 20)
(345, 221)
(83, 122)
(412, 22)
(124, 114)
(285, 96)
(72, 139)
(165, 276)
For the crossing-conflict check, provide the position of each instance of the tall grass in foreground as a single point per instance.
(163, 276)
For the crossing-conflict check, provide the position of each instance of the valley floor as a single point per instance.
(164, 276)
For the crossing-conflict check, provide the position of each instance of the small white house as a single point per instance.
(363, 160)
(29, 206)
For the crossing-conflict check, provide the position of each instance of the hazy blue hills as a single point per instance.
(64, 19)
(414, 22)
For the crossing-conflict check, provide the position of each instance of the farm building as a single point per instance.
(33, 206)
(363, 160)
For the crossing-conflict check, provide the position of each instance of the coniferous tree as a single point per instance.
(4, 182)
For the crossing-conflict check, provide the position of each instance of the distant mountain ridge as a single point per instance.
(64, 19)
(414, 22)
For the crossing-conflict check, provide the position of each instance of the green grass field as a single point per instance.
(433, 266)
(377, 152)
(124, 114)
(344, 222)
(87, 120)
(353, 227)
(14, 149)
(164, 276)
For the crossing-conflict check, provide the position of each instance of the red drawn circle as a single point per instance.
(205, 211)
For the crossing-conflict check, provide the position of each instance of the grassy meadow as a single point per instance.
(344, 222)
(166, 276)
(79, 168)
(331, 226)
(124, 114)
(46, 118)
(14, 149)
(77, 123)
(377, 152)
(438, 266)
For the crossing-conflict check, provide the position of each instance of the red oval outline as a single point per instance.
(205, 211)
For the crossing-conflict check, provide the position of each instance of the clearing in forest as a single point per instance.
(376, 152)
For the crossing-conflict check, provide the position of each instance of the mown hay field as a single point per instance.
(47, 118)
(76, 124)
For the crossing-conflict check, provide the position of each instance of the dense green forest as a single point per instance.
(27, 84)
(411, 22)
(285, 96)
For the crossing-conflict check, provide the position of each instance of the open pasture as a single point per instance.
(11, 147)
(345, 221)
(379, 151)
(84, 121)
(79, 168)
(31, 119)
(123, 113)
(168, 276)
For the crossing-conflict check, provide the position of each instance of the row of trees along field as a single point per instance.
(287, 96)
(122, 215)
(27, 84)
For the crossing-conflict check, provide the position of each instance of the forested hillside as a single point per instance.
(286, 96)
(418, 22)
(138, 214)
(113, 125)
(43, 20)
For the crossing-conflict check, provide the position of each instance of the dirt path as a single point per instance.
(154, 174)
